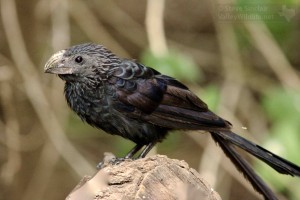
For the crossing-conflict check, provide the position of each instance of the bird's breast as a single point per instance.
(91, 104)
(96, 109)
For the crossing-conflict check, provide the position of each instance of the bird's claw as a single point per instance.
(116, 161)
(100, 165)
(113, 161)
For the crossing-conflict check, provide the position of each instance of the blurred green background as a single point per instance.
(241, 58)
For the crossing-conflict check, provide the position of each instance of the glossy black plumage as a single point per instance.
(125, 98)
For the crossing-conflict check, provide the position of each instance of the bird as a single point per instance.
(126, 98)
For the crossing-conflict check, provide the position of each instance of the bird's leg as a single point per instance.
(133, 151)
(146, 150)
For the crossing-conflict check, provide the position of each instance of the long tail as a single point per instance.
(225, 139)
(281, 165)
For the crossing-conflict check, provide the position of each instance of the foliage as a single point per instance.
(283, 109)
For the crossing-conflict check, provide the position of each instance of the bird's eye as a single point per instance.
(78, 59)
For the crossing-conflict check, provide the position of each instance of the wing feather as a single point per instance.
(162, 100)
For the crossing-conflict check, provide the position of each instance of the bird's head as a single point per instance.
(81, 62)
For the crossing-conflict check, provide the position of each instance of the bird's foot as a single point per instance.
(110, 159)
(117, 161)
(100, 165)
(114, 161)
(106, 160)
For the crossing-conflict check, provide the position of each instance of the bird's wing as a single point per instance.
(136, 87)
(161, 100)
(181, 109)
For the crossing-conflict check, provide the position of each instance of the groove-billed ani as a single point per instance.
(125, 98)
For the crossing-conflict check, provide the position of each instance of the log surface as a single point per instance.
(151, 178)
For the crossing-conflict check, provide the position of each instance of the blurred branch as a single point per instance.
(232, 65)
(122, 22)
(5, 73)
(202, 57)
(43, 8)
(43, 171)
(155, 27)
(48, 158)
(12, 135)
(270, 49)
(29, 142)
(60, 25)
(209, 169)
(34, 90)
(90, 25)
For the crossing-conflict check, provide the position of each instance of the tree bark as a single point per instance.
(156, 177)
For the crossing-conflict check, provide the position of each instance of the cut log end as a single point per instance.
(156, 177)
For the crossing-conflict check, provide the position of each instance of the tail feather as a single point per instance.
(281, 165)
(243, 166)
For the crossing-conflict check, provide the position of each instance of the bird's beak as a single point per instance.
(55, 65)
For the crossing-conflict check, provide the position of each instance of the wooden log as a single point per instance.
(151, 178)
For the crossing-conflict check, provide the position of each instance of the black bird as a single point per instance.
(123, 97)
